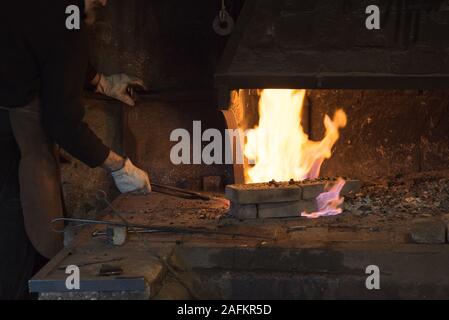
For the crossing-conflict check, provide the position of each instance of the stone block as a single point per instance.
(243, 212)
(428, 232)
(285, 209)
(280, 199)
(262, 193)
(314, 189)
(351, 186)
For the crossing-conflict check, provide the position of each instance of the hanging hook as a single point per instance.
(223, 23)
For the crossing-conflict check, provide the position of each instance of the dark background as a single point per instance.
(170, 44)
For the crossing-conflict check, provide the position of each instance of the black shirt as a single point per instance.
(40, 56)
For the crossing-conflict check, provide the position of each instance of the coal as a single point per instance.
(425, 193)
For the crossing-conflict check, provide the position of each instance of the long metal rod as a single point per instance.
(93, 263)
(157, 228)
(182, 191)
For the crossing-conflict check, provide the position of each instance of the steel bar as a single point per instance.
(158, 228)
(182, 191)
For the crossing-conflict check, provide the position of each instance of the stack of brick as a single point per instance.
(279, 200)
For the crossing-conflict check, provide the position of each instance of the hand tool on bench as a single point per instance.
(187, 194)
(155, 229)
(93, 263)
(177, 192)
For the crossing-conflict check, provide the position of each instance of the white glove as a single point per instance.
(116, 87)
(131, 179)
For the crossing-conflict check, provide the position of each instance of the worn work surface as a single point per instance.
(379, 226)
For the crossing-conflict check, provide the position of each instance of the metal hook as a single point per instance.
(223, 13)
(223, 23)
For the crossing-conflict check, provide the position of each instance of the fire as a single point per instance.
(279, 148)
(328, 202)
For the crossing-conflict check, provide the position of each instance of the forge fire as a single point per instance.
(279, 147)
(224, 150)
(282, 151)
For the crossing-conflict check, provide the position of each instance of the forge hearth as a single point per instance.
(280, 199)
(394, 223)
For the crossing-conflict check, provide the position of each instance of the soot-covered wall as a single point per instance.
(389, 132)
(170, 44)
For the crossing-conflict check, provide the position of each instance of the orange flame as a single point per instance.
(279, 148)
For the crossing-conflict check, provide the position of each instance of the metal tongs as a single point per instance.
(180, 193)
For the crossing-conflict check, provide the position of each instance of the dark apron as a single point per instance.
(40, 182)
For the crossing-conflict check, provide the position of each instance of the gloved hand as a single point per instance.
(131, 179)
(115, 86)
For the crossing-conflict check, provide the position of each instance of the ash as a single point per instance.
(425, 194)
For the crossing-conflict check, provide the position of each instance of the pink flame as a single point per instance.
(328, 202)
